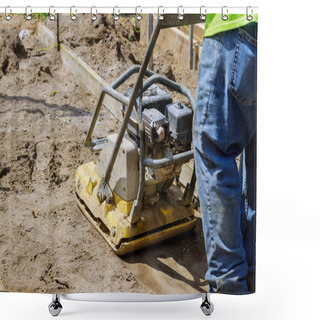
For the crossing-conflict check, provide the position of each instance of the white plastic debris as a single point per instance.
(24, 34)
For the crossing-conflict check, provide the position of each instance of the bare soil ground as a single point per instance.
(110, 47)
(46, 243)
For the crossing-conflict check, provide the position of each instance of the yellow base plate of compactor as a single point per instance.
(158, 222)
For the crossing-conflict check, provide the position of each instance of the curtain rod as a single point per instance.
(129, 10)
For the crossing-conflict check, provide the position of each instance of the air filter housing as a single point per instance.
(180, 119)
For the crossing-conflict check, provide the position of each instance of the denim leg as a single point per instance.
(224, 124)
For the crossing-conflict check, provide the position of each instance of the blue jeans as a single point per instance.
(225, 125)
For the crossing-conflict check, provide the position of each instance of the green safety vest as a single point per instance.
(215, 24)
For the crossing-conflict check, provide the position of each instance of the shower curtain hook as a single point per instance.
(28, 16)
(52, 16)
(160, 15)
(224, 13)
(116, 16)
(180, 14)
(138, 15)
(249, 16)
(73, 16)
(93, 15)
(8, 17)
(203, 13)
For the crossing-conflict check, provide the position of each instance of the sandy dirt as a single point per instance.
(46, 243)
(110, 47)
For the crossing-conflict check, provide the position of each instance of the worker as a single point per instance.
(225, 127)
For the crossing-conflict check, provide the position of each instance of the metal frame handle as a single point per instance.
(104, 191)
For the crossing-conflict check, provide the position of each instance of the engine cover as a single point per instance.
(153, 97)
(156, 128)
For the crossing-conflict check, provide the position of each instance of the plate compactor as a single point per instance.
(133, 194)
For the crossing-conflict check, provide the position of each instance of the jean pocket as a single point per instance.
(243, 81)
